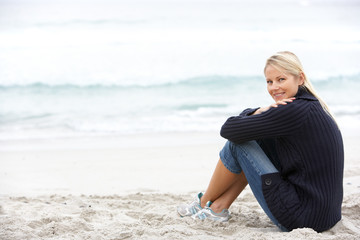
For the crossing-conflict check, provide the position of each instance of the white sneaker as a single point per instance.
(208, 213)
(185, 210)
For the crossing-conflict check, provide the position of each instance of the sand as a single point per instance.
(128, 187)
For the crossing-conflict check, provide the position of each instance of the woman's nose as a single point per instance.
(274, 86)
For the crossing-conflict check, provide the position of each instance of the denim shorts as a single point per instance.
(251, 158)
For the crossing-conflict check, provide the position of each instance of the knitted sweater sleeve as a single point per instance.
(283, 120)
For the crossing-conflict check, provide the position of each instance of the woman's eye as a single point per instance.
(281, 79)
(268, 82)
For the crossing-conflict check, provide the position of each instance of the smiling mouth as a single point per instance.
(278, 95)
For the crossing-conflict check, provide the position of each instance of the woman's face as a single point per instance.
(280, 85)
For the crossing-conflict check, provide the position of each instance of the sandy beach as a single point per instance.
(128, 187)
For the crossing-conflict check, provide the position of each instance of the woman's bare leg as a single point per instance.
(224, 188)
(228, 197)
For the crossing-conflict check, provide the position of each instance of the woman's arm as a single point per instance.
(281, 120)
(282, 102)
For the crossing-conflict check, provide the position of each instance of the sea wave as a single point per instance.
(82, 22)
(195, 106)
(207, 81)
(203, 81)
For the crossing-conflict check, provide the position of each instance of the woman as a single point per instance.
(290, 153)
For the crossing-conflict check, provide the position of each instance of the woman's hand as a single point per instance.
(281, 102)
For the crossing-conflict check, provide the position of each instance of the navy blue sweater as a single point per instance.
(308, 190)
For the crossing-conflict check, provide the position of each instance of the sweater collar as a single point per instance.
(303, 93)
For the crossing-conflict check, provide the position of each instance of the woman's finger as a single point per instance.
(282, 102)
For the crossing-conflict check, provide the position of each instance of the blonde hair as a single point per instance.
(288, 62)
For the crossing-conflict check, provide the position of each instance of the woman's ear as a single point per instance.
(301, 79)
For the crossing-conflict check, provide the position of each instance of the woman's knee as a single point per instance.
(229, 159)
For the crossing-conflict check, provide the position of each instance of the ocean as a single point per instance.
(84, 68)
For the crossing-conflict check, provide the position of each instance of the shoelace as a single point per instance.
(201, 215)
